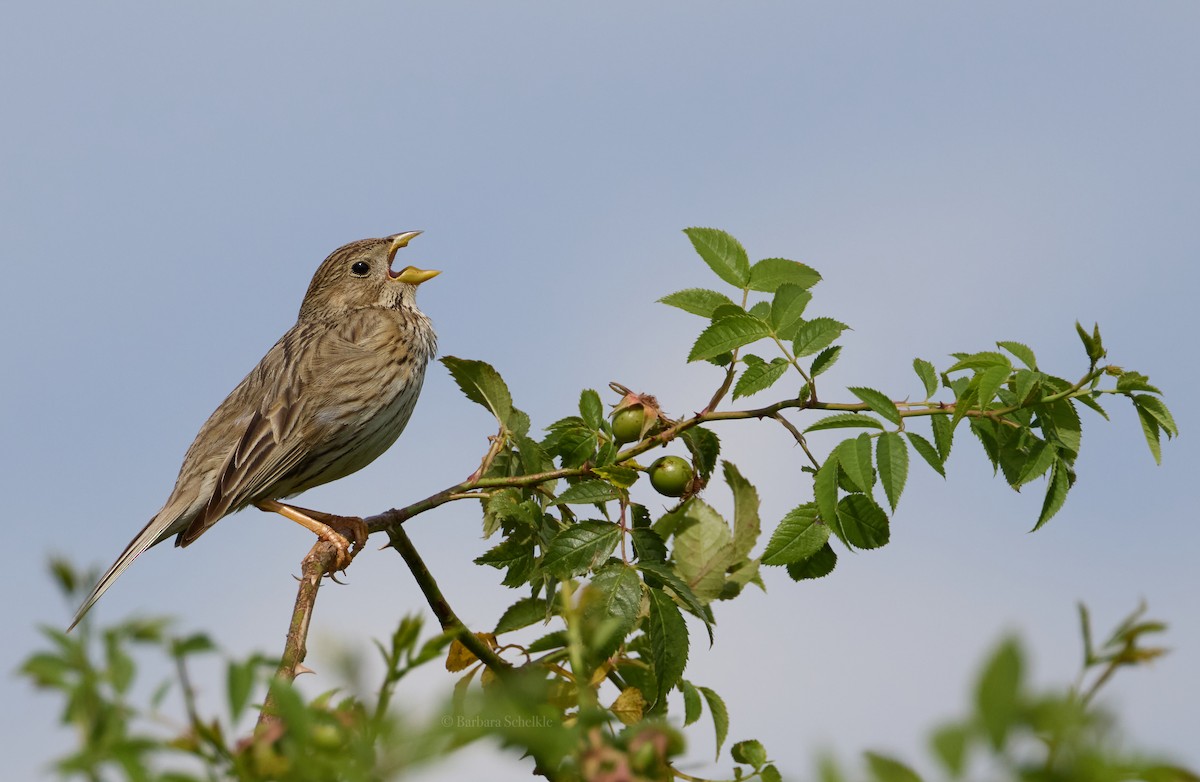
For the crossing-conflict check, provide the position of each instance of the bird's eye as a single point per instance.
(360, 268)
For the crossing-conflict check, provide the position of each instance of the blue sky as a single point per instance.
(171, 175)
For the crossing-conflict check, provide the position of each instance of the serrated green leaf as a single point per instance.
(1135, 381)
(590, 408)
(698, 301)
(990, 381)
(1091, 402)
(614, 595)
(982, 360)
(723, 254)
(878, 401)
(648, 546)
(943, 435)
(998, 694)
(580, 547)
(728, 334)
(524, 612)
(854, 456)
(1158, 410)
(928, 375)
(891, 457)
(845, 421)
(659, 574)
(1041, 457)
(746, 523)
(1021, 351)
(818, 565)
(692, 707)
(704, 447)
(588, 492)
(824, 360)
(668, 640)
(1060, 423)
(787, 310)
(825, 494)
(720, 716)
(1026, 384)
(798, 537)
(513, 555)
(703, 550)
(1151, 430)
(927, 452)
(1056, 494)
(865, 524)
(770, 273)
(482, 384)
(816, 334)
(886, 769)
(762, 311)
(759, 377)
(618, 475)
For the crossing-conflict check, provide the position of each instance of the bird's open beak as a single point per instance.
(409, 274)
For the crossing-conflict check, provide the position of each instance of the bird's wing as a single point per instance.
(283, 431)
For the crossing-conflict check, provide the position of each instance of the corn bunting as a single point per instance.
(332, 395)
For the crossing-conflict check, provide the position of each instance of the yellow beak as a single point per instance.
(409, 274)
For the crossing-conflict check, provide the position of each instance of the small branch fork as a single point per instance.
(323, 558)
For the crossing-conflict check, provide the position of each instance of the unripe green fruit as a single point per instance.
(627, 424)
(670, 476)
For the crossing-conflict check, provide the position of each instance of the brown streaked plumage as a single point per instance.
(332, 395)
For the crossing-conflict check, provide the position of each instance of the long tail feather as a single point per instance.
(154, 532)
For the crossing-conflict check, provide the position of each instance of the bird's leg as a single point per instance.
(338, 530)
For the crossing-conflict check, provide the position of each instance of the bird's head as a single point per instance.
(360, 275)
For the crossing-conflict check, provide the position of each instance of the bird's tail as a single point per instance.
(154, 532)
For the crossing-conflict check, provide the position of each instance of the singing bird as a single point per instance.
(331, 395)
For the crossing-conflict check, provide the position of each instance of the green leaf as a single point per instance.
(751, 752)
(1091, 342)
(648, 545)
(705, 447)
(990, 380)
(746, 523)
(1158, 411)
(580, 547)
(825, 494)
(943, 435)
(818, 565)
(865, 524)
(854, 455)
(588, 492)
(720, 716)
(668, 640)
(845, 421)
(723, 254)
(787, 310)
(513, 555)
(927, 374)
(798, 537)
(692, 707)
(759, 377)
(1151, 430)
(950, 745)
(591, 408)
(727, 334)
(825, 359)
(239, 681)
(891, 457)
(1021, 351)
(927, 452)
(1056, 493)
(982, 360)
(1041, 457)
(482, 384)
(662, 574)
(1060, 423)
(816, 334)
(698, 301)
(998, 694)
(770, 273)
(886, 769)
(878, 401)
(618, 475)
(614, 595)
(703, 550)
(524, 612)
(1135, 381)
(762, 311)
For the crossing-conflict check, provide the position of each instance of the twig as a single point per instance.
(439, 605)
(319, 561)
